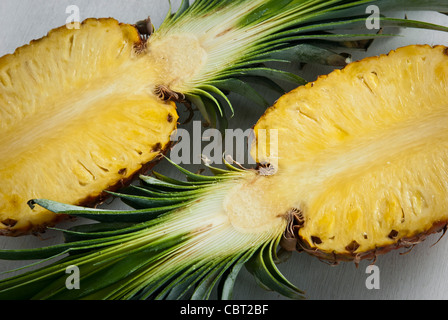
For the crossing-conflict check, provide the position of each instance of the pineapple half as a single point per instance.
(365, 155)
(351, 166)
(84, 111)
(67, 103)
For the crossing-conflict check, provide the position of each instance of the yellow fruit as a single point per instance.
(77, 117)
(364, 153)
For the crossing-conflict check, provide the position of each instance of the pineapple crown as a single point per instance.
(241, 41)
(172, 245)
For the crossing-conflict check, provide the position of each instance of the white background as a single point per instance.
(420, 274)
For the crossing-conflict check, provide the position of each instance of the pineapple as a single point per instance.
(350, 166)
(366, 172)
(65, 120)
(85, 111)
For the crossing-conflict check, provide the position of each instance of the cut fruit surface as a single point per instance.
(75, 123)
(364, 154)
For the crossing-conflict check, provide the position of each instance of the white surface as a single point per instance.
(421, 274)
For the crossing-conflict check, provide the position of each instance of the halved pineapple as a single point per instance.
(77, 118)
(363, 157)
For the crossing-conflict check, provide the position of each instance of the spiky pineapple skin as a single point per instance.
(301, 245)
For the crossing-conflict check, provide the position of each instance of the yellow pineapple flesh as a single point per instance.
(78, 116)
(362, 159)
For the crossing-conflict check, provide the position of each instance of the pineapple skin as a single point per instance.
(57, 172)
(302, 245)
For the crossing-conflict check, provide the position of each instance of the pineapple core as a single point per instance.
(175, 59)
(363, 152)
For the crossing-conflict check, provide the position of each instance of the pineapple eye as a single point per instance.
(393, 234)
(352, 247)
(166, 94)
(10, 223)
(145, 28)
